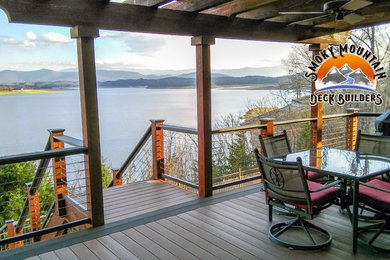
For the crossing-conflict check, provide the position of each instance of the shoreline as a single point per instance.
(30, 91)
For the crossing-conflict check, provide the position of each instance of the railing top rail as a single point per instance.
(69, 140)
(368, 114)
(287, 122)
(181, 129)
(42, 155)
(238, 128)
(133, 154)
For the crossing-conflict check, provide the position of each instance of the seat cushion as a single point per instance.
(311, 176)
(377, 199)
(320, 198)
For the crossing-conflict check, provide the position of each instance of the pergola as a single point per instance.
(204, 20)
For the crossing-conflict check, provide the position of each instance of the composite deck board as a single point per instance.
(66, 253)
(231, 228)
(146, 242)
(100, 250)
(133, 246)
(83, 252)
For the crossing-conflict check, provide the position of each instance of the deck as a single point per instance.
(160, 221)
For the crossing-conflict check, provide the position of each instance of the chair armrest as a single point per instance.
(333, 183)
(375, 188)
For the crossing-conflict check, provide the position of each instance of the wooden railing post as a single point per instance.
(317, 110)
(85, 36)
(269, 130)
(157, 149)
(11, 233)
(34, 209)
(203, 92)
(351, 128)
(117, 181)
(59, 171)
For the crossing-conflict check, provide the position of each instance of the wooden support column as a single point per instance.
(117, 181)
(351, 128)
(90, 120)
(157, 149)
(59, 171)
(203, 89)
(317, 110)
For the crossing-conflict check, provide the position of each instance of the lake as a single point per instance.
(124, 115)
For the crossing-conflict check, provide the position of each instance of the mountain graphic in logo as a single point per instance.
(359, 77)
(334, 76)
(345, 69)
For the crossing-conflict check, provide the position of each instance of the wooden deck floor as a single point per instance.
(232, 225)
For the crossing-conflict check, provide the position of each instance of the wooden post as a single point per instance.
(269, 130)
(351, 128)
(157, 149)
(115, 180)
(316, 111)
(203, 89)
(11, 233)
(34, 210)
(59, 171)
(90, 120)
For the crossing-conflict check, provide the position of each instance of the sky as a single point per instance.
(32, 47)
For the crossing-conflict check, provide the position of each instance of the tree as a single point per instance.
(13, 190)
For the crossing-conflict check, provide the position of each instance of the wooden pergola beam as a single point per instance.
(126, 17)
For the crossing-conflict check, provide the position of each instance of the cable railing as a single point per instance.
(34, 192)
(174, 149)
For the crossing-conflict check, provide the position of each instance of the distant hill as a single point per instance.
(185, 82)
(46, 75)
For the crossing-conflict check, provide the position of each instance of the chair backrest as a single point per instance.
(374, 144)
(284, 181)
(275, 145)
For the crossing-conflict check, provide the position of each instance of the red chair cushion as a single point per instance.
(377, 199)
(320, 198)
(311, 176)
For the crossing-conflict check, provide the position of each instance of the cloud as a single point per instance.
(137, 43)
(33, 40)
(53, 37)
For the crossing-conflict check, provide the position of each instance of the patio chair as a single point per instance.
(286, 187)
(376, 194)
(374, 144)
(278, 145)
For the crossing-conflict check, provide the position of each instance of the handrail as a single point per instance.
(286, 122)
(43, 163)
(69, 140)
(42, 155)
(45, 157)
(132, 155)
(180, 129)
(368, 114)
(41, 232)
(49, 212)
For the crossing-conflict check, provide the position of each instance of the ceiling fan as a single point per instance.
(342, 10)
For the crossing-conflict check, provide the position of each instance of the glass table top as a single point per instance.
(342, 163)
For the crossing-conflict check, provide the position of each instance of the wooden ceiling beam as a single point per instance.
(237, 6)
(134, 18)
(149, 3)
(272, 10)
(195, 5)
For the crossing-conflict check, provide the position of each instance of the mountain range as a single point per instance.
(46, 75)
(45, 78)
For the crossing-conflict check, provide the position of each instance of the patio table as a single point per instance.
(346, 165)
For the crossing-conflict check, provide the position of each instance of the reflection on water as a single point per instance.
(124, 115)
